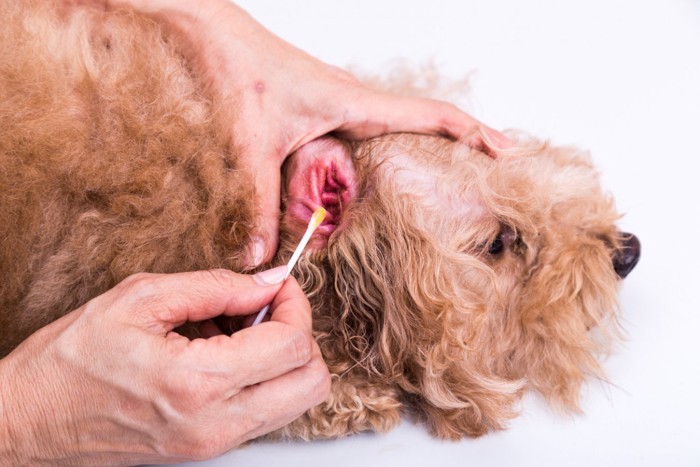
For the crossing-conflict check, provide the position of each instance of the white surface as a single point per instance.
(620, 78)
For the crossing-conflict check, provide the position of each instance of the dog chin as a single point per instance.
(319, 174)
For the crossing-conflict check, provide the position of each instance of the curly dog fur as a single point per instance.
(455, 283)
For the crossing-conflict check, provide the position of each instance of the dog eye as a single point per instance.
(497, 246)
(507, 239)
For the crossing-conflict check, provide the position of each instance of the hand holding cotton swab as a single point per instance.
(316, 219)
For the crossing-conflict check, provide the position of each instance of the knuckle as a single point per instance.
(136, 289)
(220, 277)
(189, 395)
(225, 279)
(449, 107)
(181, 397)
(186, 393)
(343, 79)
(322, 381)
(300, 346)
(447, 110)
(140, 285)
(137, 279)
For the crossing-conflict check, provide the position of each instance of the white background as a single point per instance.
(621, 78)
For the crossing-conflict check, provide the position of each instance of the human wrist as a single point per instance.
(7, 455)
(31, 409)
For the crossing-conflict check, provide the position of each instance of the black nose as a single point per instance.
(626, 258)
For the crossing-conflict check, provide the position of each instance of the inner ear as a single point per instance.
(334, 194)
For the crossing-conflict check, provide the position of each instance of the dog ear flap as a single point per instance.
(449, 384)
(567, 320)
(403, 327)
(460, 400)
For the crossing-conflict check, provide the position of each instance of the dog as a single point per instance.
(444, 282)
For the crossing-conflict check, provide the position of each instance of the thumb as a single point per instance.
(265, 170)
(160, 303)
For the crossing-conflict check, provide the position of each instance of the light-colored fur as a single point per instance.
(111, 164)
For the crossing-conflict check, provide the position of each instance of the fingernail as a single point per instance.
(271, 276)
(497, 139)
(258, 250)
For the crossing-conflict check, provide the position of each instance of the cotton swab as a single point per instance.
(316, 219)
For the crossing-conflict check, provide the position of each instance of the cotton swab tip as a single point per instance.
(317, 217)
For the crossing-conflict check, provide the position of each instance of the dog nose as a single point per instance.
(626, 258)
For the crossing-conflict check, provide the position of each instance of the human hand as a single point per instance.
(110, 383)
(274, 98)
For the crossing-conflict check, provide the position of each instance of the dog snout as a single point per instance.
(627, 256)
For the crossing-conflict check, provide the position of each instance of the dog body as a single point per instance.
(445, 282)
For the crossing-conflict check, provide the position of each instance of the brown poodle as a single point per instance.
(443, 283)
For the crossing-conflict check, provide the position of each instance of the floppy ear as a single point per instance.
(399, 316)
(457, 399)
(426, 347)
(567, 318)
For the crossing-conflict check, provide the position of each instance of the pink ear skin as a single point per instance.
(319, 174)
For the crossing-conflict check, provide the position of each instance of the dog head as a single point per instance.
(459, 276)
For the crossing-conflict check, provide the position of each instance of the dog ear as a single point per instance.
(567, 319)
(400, 317)
(456, 399)
(422, 346)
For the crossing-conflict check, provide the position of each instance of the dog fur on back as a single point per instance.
(458, 282)
(110, 164)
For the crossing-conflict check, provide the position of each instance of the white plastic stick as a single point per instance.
(316, 219)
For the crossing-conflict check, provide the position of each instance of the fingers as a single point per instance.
(288, 305)
(391, 113)
(159, 303)
(250, 356)
(262, 352)
(279, 401)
